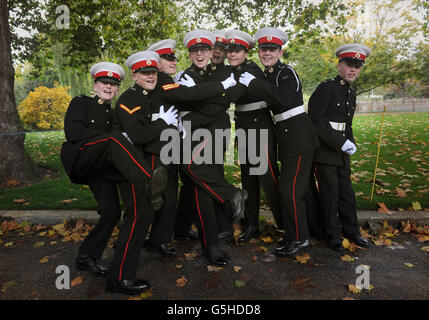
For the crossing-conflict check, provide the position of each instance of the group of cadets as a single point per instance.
(121, 148)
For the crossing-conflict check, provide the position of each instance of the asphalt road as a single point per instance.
(397, 272)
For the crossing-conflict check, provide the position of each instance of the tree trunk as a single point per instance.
(15, 164)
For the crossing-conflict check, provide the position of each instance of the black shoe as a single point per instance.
(162, 249)
(238, 201)
(87, 263)
(135, 286)
(155, 186)
(292, 248)
(250, 232)
(336, 244)
(358, 240)
(191, 234)
(225, 235)
(215, 256)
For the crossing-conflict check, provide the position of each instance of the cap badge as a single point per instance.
(148, 62)
(198, 40)
(357, 55)
(232, 41)
(219, 39)
(110, 74)
(269, 38)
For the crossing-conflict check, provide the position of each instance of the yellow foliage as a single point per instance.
(44, 108)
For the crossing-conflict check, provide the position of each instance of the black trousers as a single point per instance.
(337, 199)
(314, 209)
(115, 151)
(163, 222)
(293, 185)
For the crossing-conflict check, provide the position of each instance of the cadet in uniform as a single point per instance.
(295, 135)
(143, 120)
(331, 107)
(253, 114)
(99, 156)
(211, 189)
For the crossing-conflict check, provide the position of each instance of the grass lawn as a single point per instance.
(402, 175)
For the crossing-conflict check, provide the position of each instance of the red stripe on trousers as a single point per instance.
(132, 158)
(201, 218)
(131, 233)
(190, 171)
(271, 169)
(294, 203)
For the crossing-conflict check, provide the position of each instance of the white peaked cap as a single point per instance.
(143, 59)
(353, 50)
(107, 70)
(166, 46)
(197, 37)
(270, 36)
(237, 37)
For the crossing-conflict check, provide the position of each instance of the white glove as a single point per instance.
(349, 147)
(181, 128)
(177, 76)
(186, 81)
(229, 82)
(126, 136)
(169, 116)
(246, 78)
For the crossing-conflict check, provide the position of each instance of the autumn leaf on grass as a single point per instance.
(76, 281)
(20, 201)
(401, 193)
(416, 206)
(383, 208)
(347, 258)
(303, 258)
(239, 283)
(181, 282)
(68, 200)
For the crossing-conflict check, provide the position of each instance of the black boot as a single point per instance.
(357, 239)
(87, 263)
(238, 201)
(335, 244)
(215, 255)
(292, 248)
(134, 286)
(162, 249)
(155, 186)
(250, 232)
(191, 234)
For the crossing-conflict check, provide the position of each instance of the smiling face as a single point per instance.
(167, 66)
(236, 56)
(146, 80)
(106, 91)
(348, 71)
(269, 56)
(219, 54)
(200, 56)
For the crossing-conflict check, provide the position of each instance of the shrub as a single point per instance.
(44, 108)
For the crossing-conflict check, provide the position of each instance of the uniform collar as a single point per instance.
(216, 66)
(200, 71)
(341, 81)
(273, 68)
(98, 100)
(141, 89)
(240, 66)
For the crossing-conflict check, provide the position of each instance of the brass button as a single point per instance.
(145, 92)
(92, 121)
(100, 101)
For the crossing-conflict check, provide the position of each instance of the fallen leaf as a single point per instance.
(347, 258)
(348, 298)
(8, 244)
(146, 294)
(267, 239)
(300, 284)
(263, 249)
(181, 282)
(19, 200)
(416, 206)
(406, 227)
(179, 266)
(190, 256)
(44, 259)
(68, 200)
(239, 283)
(302, 258)
(237, 269)
(76, 281)
(409, 265)
(401, 193)
(38, 244)
(7, 285)
(211, 268)
(425, 249)
(354, 289)
(383, 208)
(254, 258)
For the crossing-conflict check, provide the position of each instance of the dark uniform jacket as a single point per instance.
(85, 118)
(282, 90)
(333, 100)
(134, 111)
